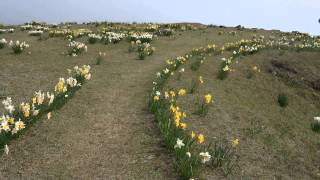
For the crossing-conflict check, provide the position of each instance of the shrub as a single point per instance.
(283, 100)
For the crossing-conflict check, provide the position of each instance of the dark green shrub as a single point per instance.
(283, 100)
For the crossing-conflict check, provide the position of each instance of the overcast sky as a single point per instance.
(287, 15)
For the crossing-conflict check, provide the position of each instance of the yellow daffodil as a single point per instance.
(166, 94)
(19, 125)
(235, 142)
(25, 109)
(177, 122)
(11, 120)
(183, 125)
(156, 98)
(172, 93)
(34, 100)
(207, 98)
(193, 134)
(60, 86)
(200, 138)
(182, 92)
(184, 114)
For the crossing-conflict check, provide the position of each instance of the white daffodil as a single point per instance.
(72, 82)
(8, 105)
(49, 115)
(166, 71)
(188, 154)
(179, 143)
(6, 149)
(50, 97)
(158, 74)
(181, 70)
(317, 119)
(226, 68)
(40, 97)
(205, 157)
(158, 93)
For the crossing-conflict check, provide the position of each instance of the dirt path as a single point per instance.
(105, 131)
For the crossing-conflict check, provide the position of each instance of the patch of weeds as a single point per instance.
(43, 37)
(254, 129)
(99, 59)
(196, 65)
(194, 86)
(250, 74)
(223, 155)
(281, 52)
(269, 140)
(3, 93)
(283, 100)
(132, 47)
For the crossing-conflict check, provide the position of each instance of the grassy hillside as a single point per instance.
(106, 129)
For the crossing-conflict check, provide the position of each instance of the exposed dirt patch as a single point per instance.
(292, 72)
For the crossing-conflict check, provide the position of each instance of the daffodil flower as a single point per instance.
(179, 144)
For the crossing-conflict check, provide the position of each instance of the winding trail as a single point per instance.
(105, 131)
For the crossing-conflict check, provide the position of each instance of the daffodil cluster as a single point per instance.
(10, 30)
(142, 37)
(112, 37)
(93, 38)
(76, 48)
(35, 33)
(144, 49)
(18, 47)
(15, 119)
(3, 43)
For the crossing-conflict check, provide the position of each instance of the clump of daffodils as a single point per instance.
(61, 86)
(144, 49)
(204, 108)
(112, 37)
(93, 38)
(82, 72)
(3, 43)
(76, 48)
(35, 33)
(18, 47)
(16, 119)
(8, 105)
(142, 37)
